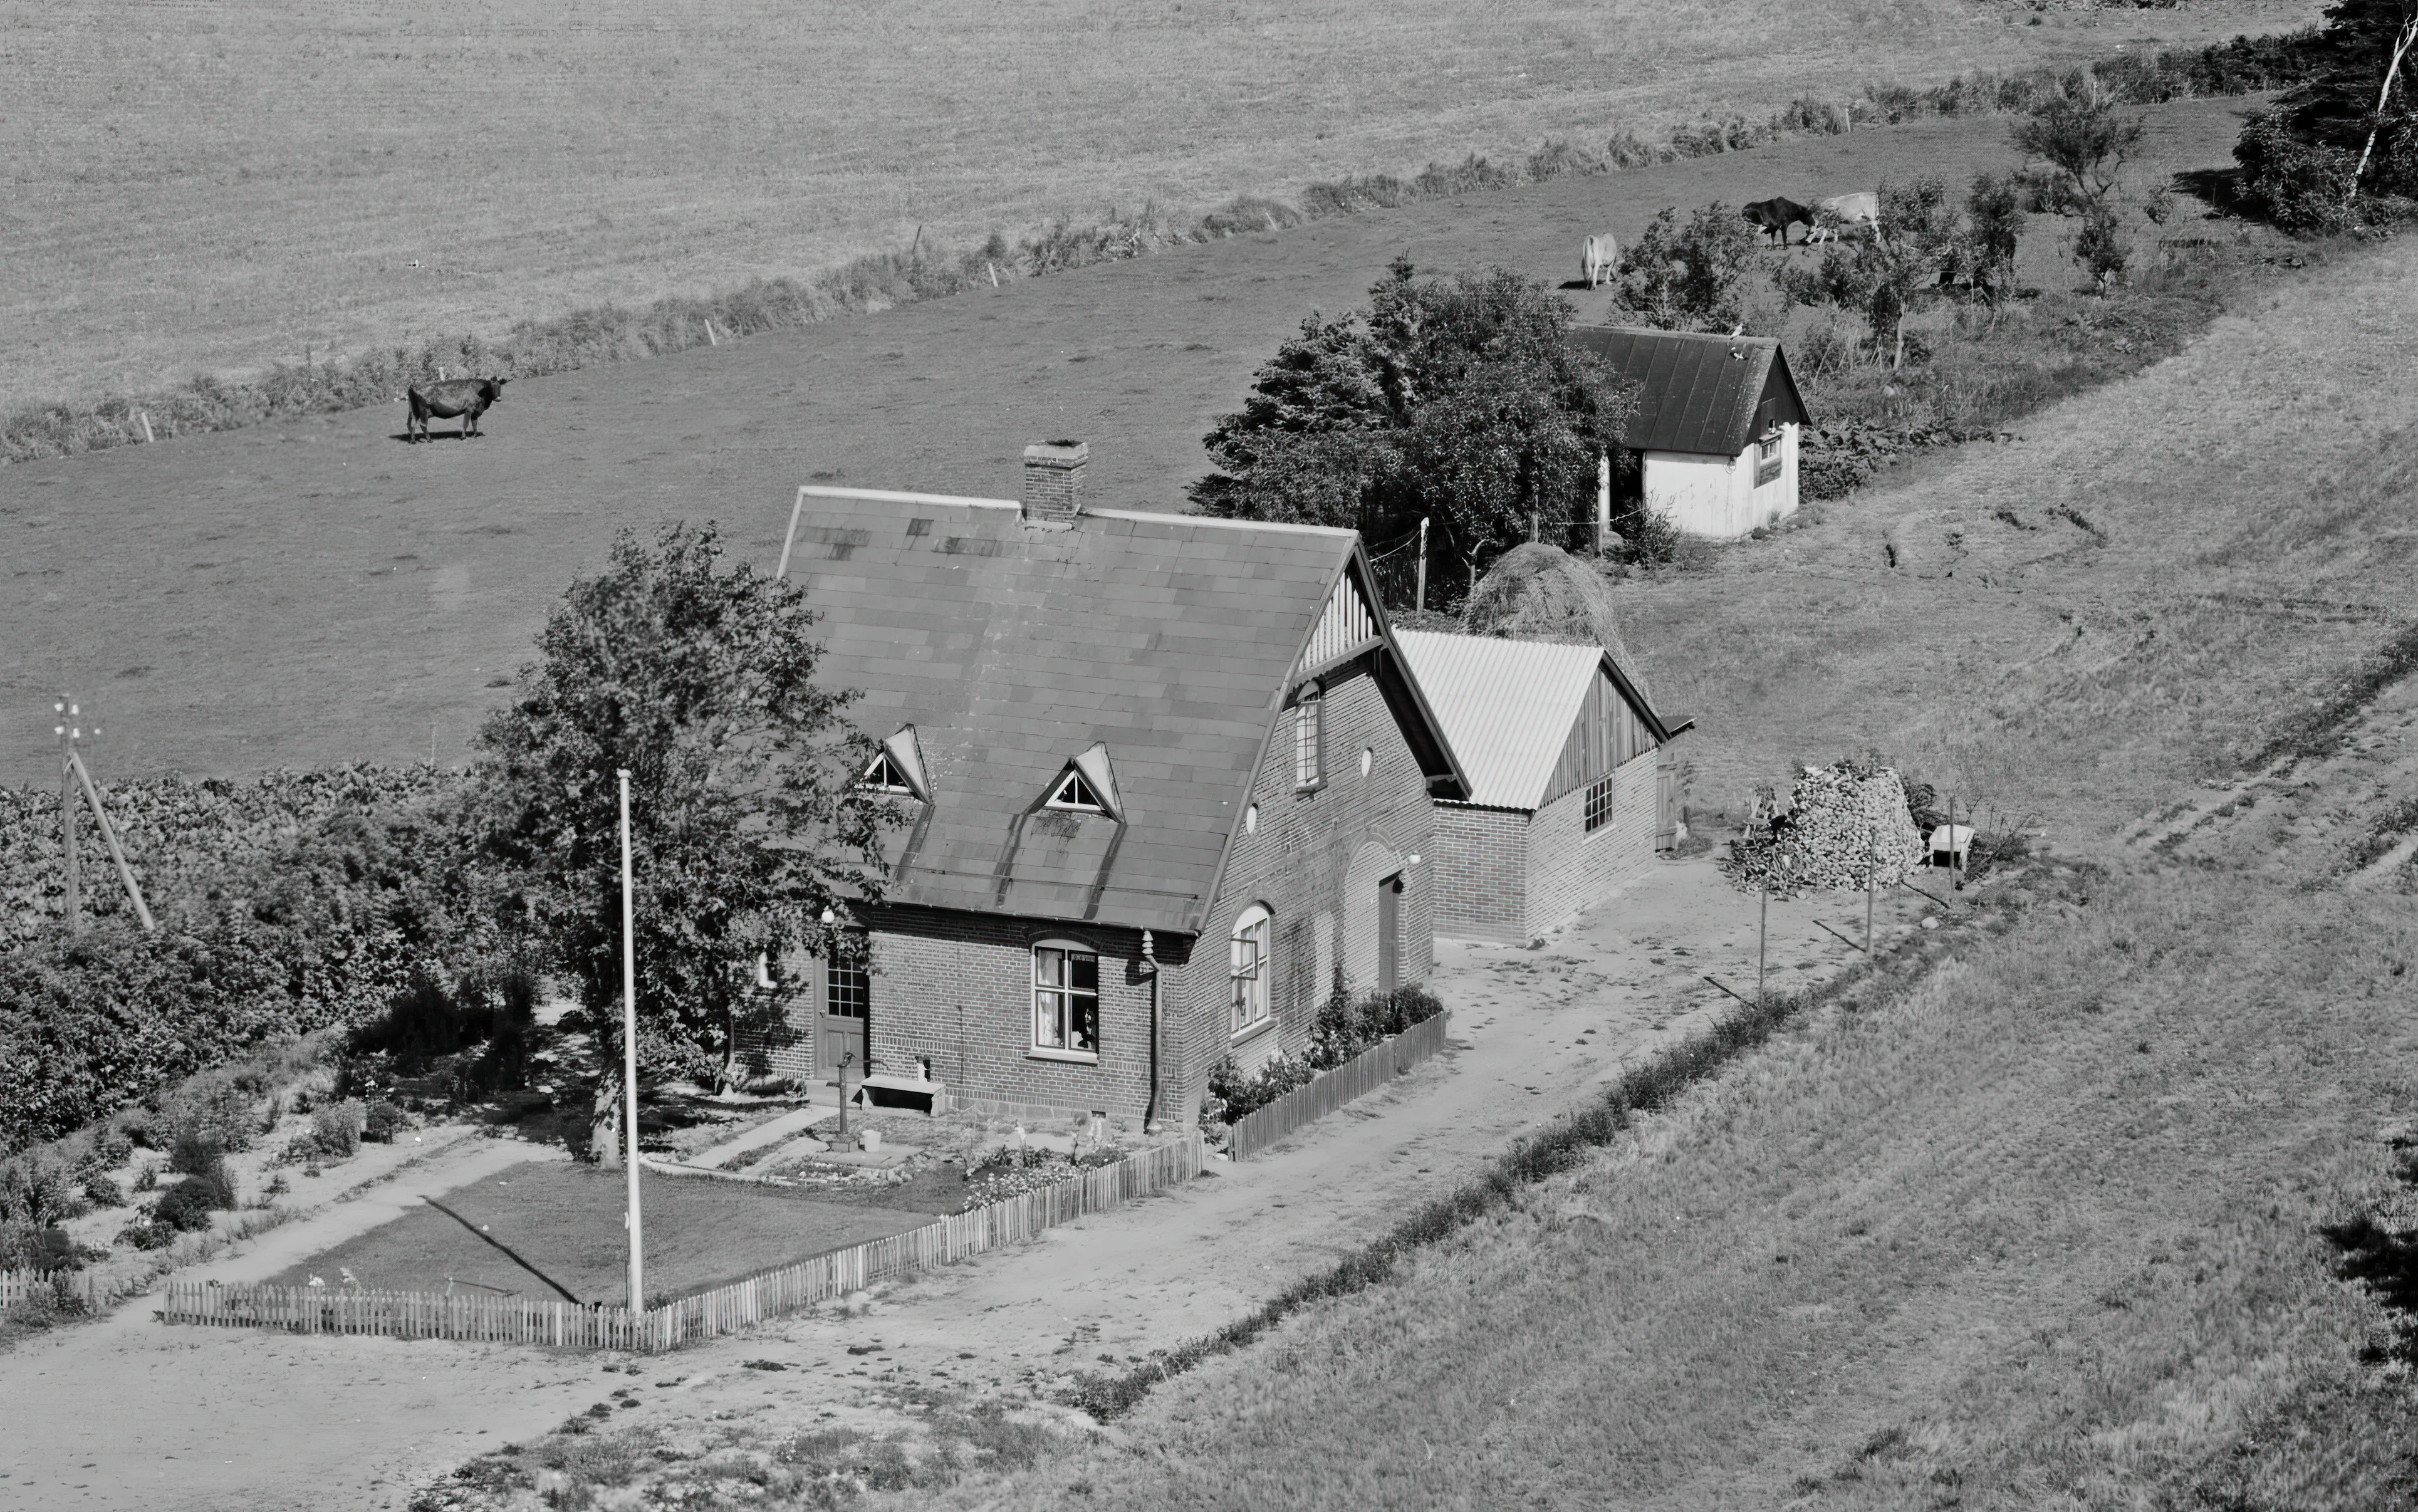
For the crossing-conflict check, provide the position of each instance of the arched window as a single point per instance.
(1065, 1001)
(1247, 976)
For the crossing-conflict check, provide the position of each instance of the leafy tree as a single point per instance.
(1994, 216)
(2350, 128)
(1692, 277)
(1457, 400)
(2080, 133)
(748, 826)
(1884, 278)
(2099, 247)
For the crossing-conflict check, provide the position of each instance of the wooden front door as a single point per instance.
(840, 1028)
(1389, 933)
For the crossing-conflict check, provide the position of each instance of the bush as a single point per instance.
(336, 1130)
(187, 1206)
(2299, 186)
(219, 1109)
(102, 1192)
(31, 1246)
(1234, 1095)
(38, 1190)
(382, 1122)
(195, 1156)
(2099, 247)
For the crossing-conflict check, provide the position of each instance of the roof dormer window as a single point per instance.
(898, 768)
(884, 776)
(1074, 793)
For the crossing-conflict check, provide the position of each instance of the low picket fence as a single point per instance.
(95, 1290)
(1363, 1074)
(724, 1309)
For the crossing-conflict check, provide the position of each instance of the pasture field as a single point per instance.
(551, 1229)
(315, 592)
(2066, 1223)
(210, 187)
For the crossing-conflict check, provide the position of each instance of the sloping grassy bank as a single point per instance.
(2048, 1230)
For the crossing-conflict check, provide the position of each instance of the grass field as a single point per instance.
(550, 1230)
(212, 187)
(2050, 1230)
(315, 592)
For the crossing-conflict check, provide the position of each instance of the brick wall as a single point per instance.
(1481, 876)
(1314, 861)
(1570, 868)
(958, 988)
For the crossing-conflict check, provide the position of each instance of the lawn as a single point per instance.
(549, 1230)
(212, 189)
(2065, 1223)
(200, 593)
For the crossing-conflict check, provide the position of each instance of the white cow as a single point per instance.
(1842, 211)
(1599, 261)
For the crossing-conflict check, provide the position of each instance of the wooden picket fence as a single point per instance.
(1363, 1074)
(95, 1290)
(724, 1309)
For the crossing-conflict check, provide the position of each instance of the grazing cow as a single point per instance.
(1599, 260)
(1774, 216)
(465, 397)
(1844, 211)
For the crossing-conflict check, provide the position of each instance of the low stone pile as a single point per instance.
(1846, 821)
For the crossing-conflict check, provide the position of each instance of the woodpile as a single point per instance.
(1844, 822)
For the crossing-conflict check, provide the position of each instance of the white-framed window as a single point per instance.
(1308, 739)
(883, 776)
(1065, 999)
(1599, 802)
(1767, 456)
(1246, 976)
(1074, 793)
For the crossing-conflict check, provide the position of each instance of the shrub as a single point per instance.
(188, 1205)
(35, 1247)
(146, 1231)
(217, 1109)
(1232, 1094)
(2300, 186)
(102, 1192)
(2099, 247)
(382, 1121)
(37, 1189)
(195, 1156)
(336, 1130)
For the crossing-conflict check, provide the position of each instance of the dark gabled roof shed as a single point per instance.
(1697, 393)
(1172, 641)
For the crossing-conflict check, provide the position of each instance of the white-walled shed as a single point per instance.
(1717, 427)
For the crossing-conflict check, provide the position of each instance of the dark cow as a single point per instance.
(1774, 217)
(465, 397)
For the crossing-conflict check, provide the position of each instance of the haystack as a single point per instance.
(1540, 592)
(1845, 823)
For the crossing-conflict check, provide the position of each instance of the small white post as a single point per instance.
(630, 1055)
(1421, 602)
(144, 415)
(1603, 502)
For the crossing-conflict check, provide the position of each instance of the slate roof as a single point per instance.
(1695, 394)
(1507, 706)
(1169, 639)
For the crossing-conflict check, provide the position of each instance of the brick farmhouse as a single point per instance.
(1164, 778)
(1718, 426)
(1567, 793)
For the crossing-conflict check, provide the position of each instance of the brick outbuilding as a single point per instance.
(1566, 792)
(1164, 778)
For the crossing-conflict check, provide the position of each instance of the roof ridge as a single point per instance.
(1156, 516)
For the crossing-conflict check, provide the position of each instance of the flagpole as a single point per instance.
(630, 1057)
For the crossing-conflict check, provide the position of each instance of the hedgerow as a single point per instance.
(284, 906)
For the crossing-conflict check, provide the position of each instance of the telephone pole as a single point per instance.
(630, 1057)
(68, 732)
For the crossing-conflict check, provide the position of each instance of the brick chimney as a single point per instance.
(1053, 482)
